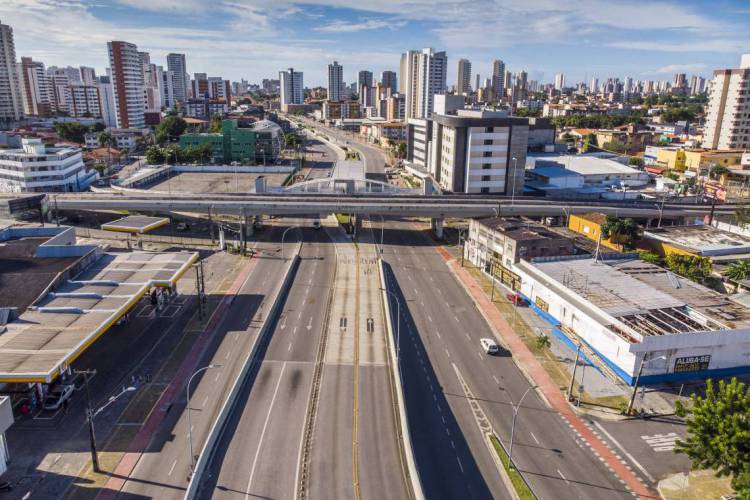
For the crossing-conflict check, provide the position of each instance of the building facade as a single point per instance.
(37, 94)
(728, 110)
(463, 78)
(291, 87)
(498, 79)
(176, 64)
(389, 80)
(11, 99)
(423, 75)
(36, 167)
(335, 82)
(232, 144)
(127, 82)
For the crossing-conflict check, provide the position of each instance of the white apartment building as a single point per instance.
(176, 64)
(60, 85)
(85, 101)
(36, 167)
(166, 88)
(38, 97)
(88, 75)
(11, 100)
(107, 101)
(559, 81)
(335, 82)
(292, 87)
(127, 80)
(126, 139)
(728, 110)
(463, 78)
(423, 75)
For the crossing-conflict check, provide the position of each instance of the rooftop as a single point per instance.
(582, 164)
(518, 229)
(645, 299)
(50, 335)
(135, 224)
(706, 241)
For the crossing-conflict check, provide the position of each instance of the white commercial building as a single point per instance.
(292, 87)
(36, 167)
(728, 110)
(632, 314)
(463, 77)
(423, 74)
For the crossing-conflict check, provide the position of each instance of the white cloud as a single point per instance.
(368, 24)
(679, 68)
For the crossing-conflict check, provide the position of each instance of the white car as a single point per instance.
(57, 396)
(489, 346)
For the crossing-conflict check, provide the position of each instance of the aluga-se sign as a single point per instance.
(692, 363)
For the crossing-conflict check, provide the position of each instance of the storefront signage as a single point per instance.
(692, 363)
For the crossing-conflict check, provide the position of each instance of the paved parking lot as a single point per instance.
(211, 182)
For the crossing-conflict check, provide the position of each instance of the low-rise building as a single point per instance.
(125, 138)
(596, 171)
(697, 241)
(36, 167)
(590, 226)
(260, 143)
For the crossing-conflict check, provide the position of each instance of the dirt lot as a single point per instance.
(195, 182)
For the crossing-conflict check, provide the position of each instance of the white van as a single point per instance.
(489, 346)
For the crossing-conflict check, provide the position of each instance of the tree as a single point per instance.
(622, 231)
(400, 149)
(636, 161)
(170, 129)
(100, 167)
(717, 171)
(650, 257)
(742, 215)
(718, 432)
(689, 266)
(738, 271)
(215, 126)
(529, 112)
(155, 155)
(107, 140)
(615, 146)
(73, 132)
(543, 342)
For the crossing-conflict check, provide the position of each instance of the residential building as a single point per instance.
(73, 74)
(38, 96)
(127, 81)
(479, 151)
(270, 86)
(232, 144)
(85, 101)
(125, 139)
(728, 110)
(88, 75)
(364, 77)
(423, 75)
(60, 83)
(395, 107)
(559, 81)
(292, 88)
(180, 79)
(389, 80)
(205, 108)
(418, 136)
(11, 96)
(36, 167)
(594, 88)
(107, 103)
(498, 79)
(166, 88)
(335, 82)
(463, 79)
(333, 110)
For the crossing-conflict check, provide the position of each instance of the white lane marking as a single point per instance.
(227, 355)
(534, 437)
(460, 465)
(218, 374)
(430, 318)
(467, 336)
(171, 469)
(561, 475)
(438, 334)
(205, 400)
(295, 330)
(448, 353)
(453, 445)
(624, 451)
(263, 432)
(480, 355)
(496, 380)
(289, 348)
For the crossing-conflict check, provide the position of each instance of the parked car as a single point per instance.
(489, 346)
(57, 396)
(516, 299)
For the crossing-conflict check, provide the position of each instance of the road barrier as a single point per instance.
(217, 429)
(403, 423)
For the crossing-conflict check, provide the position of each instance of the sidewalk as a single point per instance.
(141, 440)
(547, 388)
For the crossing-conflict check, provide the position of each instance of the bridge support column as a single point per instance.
(249, 228)
(427, 187)
(436, 224)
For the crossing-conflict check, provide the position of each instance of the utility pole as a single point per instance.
(90, 418)
(573, 376)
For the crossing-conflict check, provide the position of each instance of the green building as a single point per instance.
(231, 144)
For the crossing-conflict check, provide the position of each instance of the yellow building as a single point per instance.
(671, 158)
(700, 161)
(590, 226)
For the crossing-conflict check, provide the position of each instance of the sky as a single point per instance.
(254, 39)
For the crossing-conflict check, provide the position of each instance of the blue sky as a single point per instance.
(254, 39)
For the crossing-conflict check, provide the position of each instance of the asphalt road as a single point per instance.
(443, 325)
(162, 471)
(258, 455)
(320, 158)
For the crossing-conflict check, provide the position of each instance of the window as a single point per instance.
(485, 178)
(485, 190)
(487, 154)
(489, 130)
(488, 142)
(486, 166)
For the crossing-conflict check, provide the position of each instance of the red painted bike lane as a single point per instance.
(528, 363)
(141, 440)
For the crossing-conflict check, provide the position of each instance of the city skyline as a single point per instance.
(307, 35)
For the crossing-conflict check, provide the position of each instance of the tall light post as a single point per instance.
(513, 188)
(187, 406)
(638, 379)
(91, 413)
(398, 329)
(284, 235)
(513, 426)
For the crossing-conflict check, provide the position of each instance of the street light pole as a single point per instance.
(638, 379)
(513, 426)
(187, 406)
(282, 238)
(513, 192)
(573, 376)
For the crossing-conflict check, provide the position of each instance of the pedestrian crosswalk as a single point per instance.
(662, 442)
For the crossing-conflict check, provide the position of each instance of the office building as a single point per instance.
(11, 98)
(463, 78)
(36, 167)
(559, 81)
(176, 64)
(232, 144)
(389, 80)
(364, 77)
(478, 151)
(37, 94)
(728, 110)
(423, 75)
(499, 83)
(127, 81)
(335, 82)
(291, 87)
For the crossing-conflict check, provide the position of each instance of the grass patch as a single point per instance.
(522, 490)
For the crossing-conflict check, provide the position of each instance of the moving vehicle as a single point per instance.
(316, 224)
(57, 396)
(489, 346)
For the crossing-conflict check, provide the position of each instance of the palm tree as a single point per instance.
(107, 140)
(738, 271)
